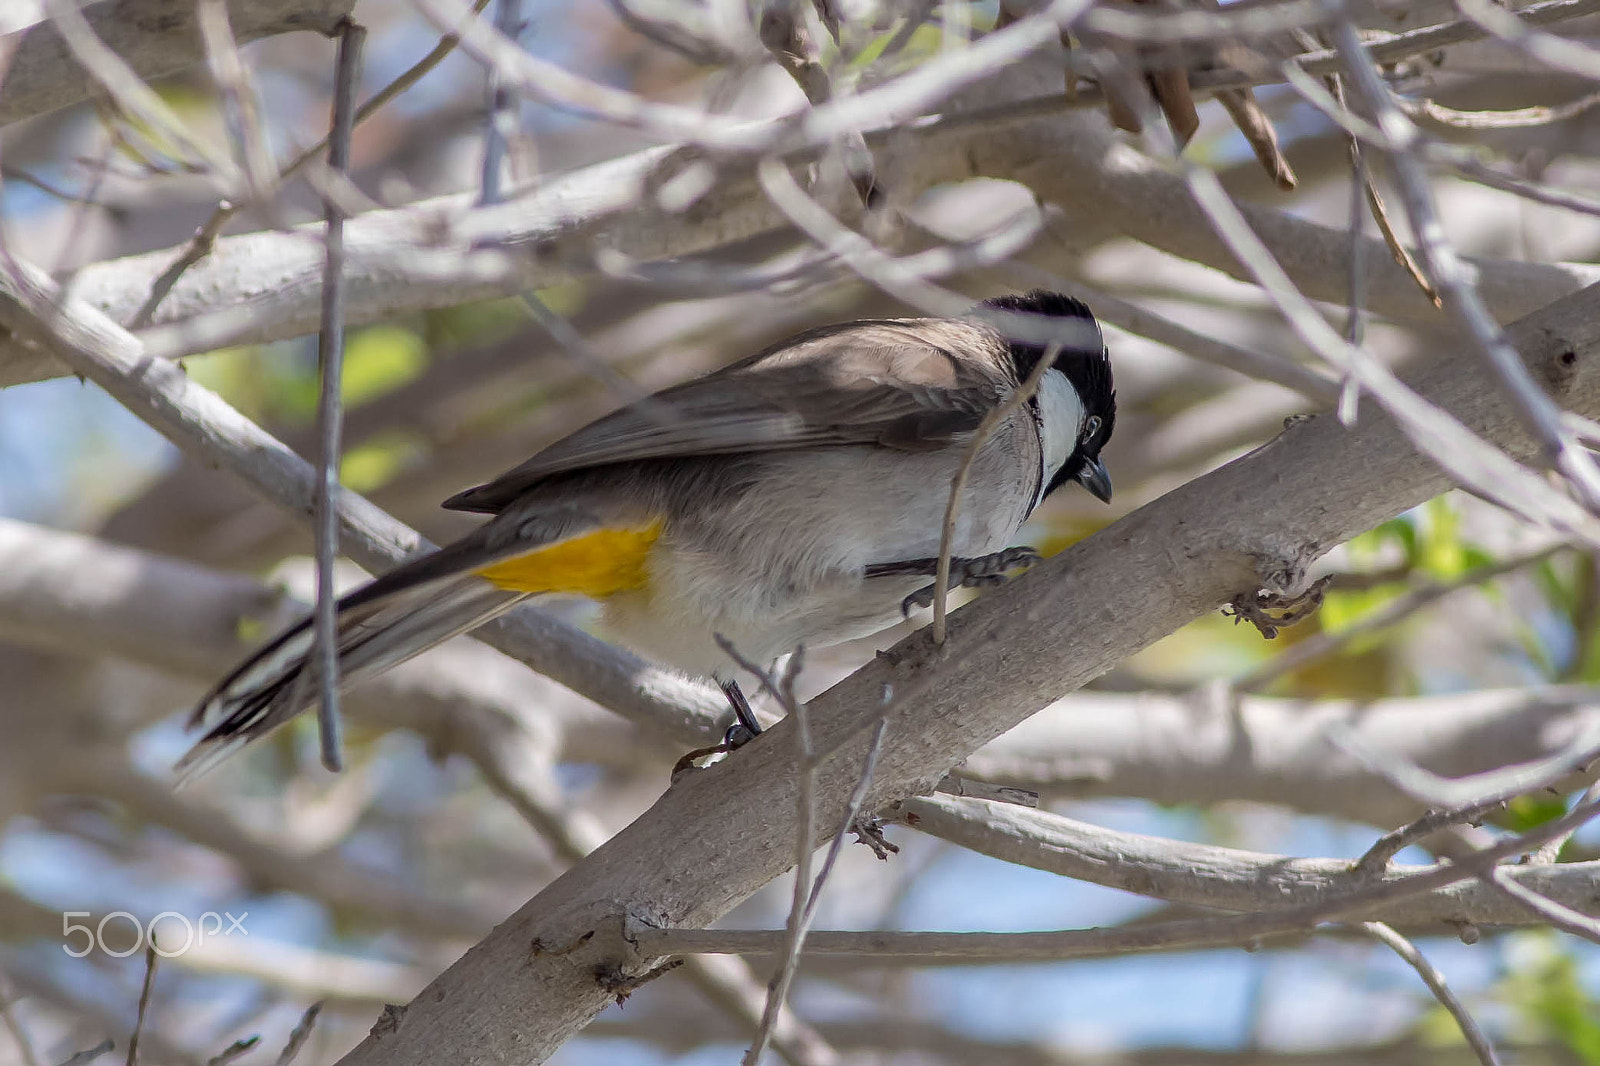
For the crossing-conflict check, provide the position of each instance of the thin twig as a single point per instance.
(300, 1034)
(1505, 783)
(144, 1003)
(134, 98)
(694, 44)
(1355, 323)
(731, 985)
(1334, 105)
(1550, 850)
(1520, 118)
(87, 1055)
(1436, 984)
(13, 174)
(579, 350)
(500, 125)
(330, 403)
(239, 99)
(1557, 914)
(81, 211)
(805, 845)
(947, 533)
(789, 42)
(1376, 859)
(1468, 166)
(1258, 130)
(852, 811)
(239, 1047)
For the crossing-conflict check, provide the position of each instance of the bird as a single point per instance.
(792, 498)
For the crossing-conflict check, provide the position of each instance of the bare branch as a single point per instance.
(1541, 906)
(298, 1038)
(932, 948)
(958, 484)
(144, 1004)
(1550, 851)
(1229, 879)
(1436, 984)
(1386, 847)
(330, 402)
(1498, 120)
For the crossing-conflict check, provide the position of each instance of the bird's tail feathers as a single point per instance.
(379, 625)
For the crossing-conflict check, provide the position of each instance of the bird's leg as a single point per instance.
(745, 728)
(977, 572)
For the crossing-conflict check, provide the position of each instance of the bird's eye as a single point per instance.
(1091, 426)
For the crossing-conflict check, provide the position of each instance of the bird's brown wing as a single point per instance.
(891, 383)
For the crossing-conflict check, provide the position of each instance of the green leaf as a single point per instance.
(869, 55)
(1526, 812)
(1370, 546)
(379, 359)
(1342, 608)
(476, 324)
(1441, 552)
(1550, 1000)
(374, 462)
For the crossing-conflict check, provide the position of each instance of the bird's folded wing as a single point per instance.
(889, 383)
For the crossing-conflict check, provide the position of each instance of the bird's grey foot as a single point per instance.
(980, 571)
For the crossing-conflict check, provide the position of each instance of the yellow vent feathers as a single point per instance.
(596, 565)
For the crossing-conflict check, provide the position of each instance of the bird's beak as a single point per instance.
(1093, 477)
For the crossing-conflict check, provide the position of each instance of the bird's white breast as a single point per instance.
(1060, 421)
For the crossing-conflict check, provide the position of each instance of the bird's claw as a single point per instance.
(982, 571)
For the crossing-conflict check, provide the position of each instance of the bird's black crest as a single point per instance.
(1086, 365)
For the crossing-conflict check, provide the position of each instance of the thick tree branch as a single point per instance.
(155, 37)
(1261, 519)
(1230, 879)
(1197, 750)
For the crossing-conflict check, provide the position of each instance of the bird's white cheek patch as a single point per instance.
(1060, 420)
